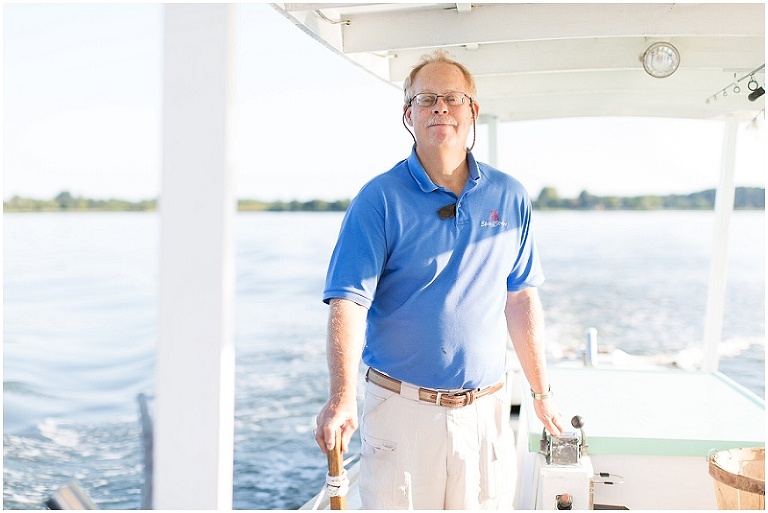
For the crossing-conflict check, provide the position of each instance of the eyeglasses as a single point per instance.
(430, 99)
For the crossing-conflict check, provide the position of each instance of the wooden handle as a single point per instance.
(336, 468)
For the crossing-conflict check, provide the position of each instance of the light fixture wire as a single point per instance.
(325, 18)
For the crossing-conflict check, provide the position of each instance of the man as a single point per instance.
(435, 264)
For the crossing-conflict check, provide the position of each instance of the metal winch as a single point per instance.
(566, 480)
(568, 448)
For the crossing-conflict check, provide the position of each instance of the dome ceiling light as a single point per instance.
(660, 60)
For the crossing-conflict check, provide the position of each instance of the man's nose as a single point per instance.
(441, 106)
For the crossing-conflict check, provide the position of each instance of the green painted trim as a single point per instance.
(655, 447)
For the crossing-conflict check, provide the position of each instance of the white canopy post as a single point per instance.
(194, 407)
(493, 138)
(726, 192)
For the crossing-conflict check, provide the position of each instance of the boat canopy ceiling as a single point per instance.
(539, 61)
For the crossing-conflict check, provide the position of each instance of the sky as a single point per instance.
(82, 113)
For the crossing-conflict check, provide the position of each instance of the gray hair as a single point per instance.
(432, 58)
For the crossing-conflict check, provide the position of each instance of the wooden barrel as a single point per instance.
(739, 476)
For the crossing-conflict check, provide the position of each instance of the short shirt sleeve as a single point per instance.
(527, 271)
(359, 255)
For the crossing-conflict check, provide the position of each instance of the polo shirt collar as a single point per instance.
(425, 182)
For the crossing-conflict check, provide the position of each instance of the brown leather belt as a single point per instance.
(439, 397)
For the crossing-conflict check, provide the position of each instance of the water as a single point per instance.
(80, 298)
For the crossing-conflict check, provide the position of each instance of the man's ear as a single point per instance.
(407, 114)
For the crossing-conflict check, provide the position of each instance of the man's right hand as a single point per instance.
(337, 413)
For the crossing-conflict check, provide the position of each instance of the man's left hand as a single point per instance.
(549, 414)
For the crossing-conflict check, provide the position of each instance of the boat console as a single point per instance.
(566, 479)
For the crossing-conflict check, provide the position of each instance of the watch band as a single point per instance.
(541, 397)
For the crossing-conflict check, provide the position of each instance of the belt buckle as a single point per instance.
(466, 397)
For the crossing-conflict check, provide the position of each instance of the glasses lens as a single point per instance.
(454, 98)
(425, 99)
(429, 99)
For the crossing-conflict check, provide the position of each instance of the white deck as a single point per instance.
(654, 428)
(642, 412)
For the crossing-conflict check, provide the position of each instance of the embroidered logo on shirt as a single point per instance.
(493, 220)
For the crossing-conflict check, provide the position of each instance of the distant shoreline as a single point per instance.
(747, 198)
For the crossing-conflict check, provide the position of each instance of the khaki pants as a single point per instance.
(417, 455)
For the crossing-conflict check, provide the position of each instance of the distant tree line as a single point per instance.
(64, 201)
(248, 205)
(747, 198)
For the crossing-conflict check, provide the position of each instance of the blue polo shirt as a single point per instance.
(435, 288)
